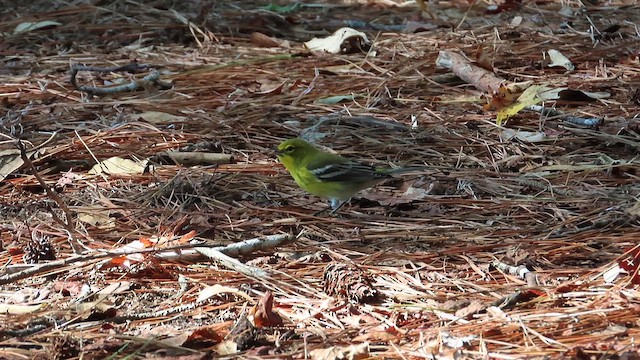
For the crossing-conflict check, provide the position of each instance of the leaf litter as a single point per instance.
(519, 241)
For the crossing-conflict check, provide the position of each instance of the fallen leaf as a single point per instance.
(341, 69)
(93, 306)
(634, 210)
(217, 289)
(500, 99)
(343, 41)
(271, 88)
(96, 216)
(119, 166)
(528, 97)
(119, 287)
(351, 352)
(228, 347)
(263, 314)
(335, 99)
(377, 336)
(11, 160)
(472, 308)
(210, 334)
(456, 342)
(580, 95)
(31, 26)
(557, 59)
(175, 341)
(528, 136)
(157, 117)
(10, 309)
(262, 40)
(610, 275)
(283, 9)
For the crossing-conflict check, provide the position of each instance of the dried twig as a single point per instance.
(153, 78)
(75, 243)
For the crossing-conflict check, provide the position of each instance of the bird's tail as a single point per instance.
(418, 170)
(408, 169)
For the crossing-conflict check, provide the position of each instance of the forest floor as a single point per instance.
(519, 240)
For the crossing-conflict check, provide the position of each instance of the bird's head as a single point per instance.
(293, 150)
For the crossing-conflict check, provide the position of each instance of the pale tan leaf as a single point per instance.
(119, 166)
(227, 348)
(10, 161)
(96, 216)
(528, 136)
(10, 309)
(334, 43)
(217, 289)
(157, 117)
(351, 352)
(557, 59)
(31, 26)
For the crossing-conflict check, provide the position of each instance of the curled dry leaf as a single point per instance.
(217, 289)
(97, 216)
(528, 136)
(227, 347)
(205, 334)
(557, 59)
(611, 274)
(119, 166)
(11, 160)
(260, 39)
(351, 352)
(391, 335)
(95, 310)
(343, 41)
(500, 99)
(11, 309)
(473, 307)
(634, 210)
(157, 117)
(263, 314)
(32, 26)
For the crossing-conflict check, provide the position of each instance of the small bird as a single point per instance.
(328, 175)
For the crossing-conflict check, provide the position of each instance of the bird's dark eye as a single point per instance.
(289, 148)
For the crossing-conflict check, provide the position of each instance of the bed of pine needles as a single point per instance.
(505, 248)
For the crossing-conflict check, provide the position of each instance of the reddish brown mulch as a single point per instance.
(418, 267)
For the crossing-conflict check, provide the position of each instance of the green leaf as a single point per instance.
(30, 26)
(331, 100)
(287, 9)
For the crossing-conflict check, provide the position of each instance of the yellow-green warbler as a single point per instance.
(328, 175)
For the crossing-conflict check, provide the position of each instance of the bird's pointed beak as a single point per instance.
(277, 153)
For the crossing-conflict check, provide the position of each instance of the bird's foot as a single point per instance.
(334, 206)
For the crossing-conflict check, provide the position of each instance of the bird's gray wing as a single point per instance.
(346, 171)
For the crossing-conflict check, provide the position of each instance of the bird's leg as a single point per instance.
(334, 205)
